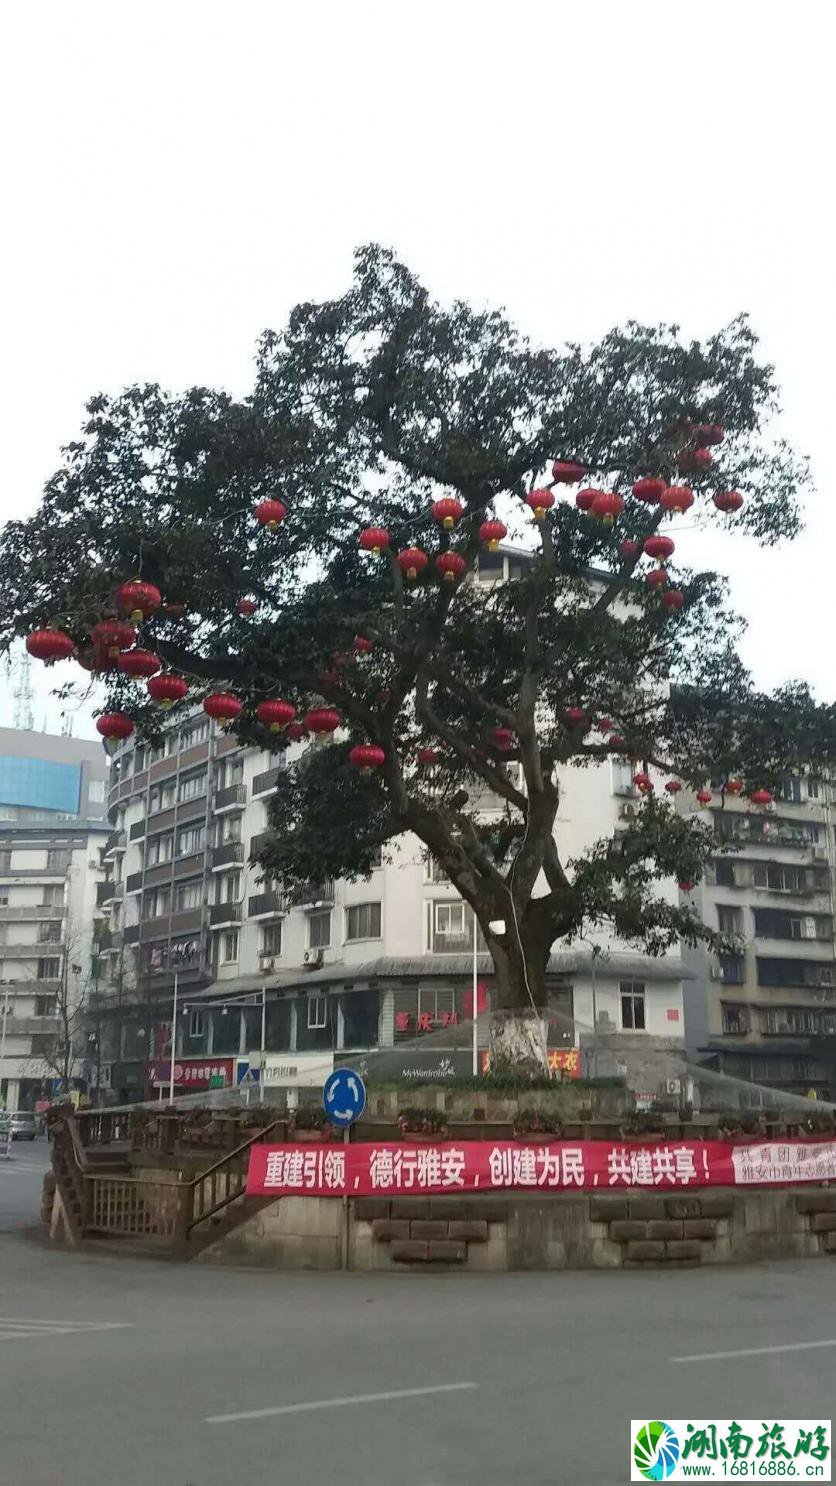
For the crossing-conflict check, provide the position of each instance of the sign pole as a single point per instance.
(173, 1043)
(263, 1040)
(475, 1001)
(346, 1135)
(4, 1102)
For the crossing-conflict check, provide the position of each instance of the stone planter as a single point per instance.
(422, 1136)
(315, 1137)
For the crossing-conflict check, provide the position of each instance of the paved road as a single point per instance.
(111, 1367)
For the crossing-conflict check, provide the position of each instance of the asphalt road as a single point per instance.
(112, 1368)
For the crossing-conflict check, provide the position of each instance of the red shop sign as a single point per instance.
(192, 1073)
(365, 1170)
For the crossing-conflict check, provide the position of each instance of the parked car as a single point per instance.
(24, 1124)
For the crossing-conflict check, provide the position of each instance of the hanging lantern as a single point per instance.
(322, 720)
(138, 599)
(734, 787)
(704, 796)
(114, 726)
(503, 739)
(411, 562)
(673, 786)
(686, 887)
(728, 500)
(607, 506)
(649, 489)
(246, 607)
(49, 645)
(673, 598)
(616, 741)
(139, 663)
(677, 498)
(330, 678)
(112, 636)
(270, 513)
(576, 717)
(426, 756)
(568, 471)
(761, 797)
(605, 724)
(709, 433)
(452, 565)
(628, 548)
(275, 715)
(643, 782)
(656, 578)
(362, 645)
(297, 731)
(366, 756)
(374, 539)
(491, 533)
(222, 706)
(447, 511)
(586, 498)
(696, 461)
(661, 547)
(540, 502)
(167, 689)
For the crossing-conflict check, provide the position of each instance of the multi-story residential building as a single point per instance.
(765, 1011)
(52, 826)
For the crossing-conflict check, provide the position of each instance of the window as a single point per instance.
(362, 921)
(774, 971)
(813, 788)
(229, 946)
(732, 969)
(188, 895)
(632, 1006)
(57, 861)
(45, 1005)
(729, 920)
(157, 902)
(52, 895)
(735, 1020)
(6, 860)
(319, 930)
(96, 791)
(229, 772)
(192, 785)
(49, 969)
(724, 872)
(195, 1023)
(790, 790)
(139, 758)
(190, 840)
(432, 871)
(622, 777)
(229, 829)
(162, 796)
(451, 928)
(377, 858)
(4, 899)
(49, 934)
(196, 732)
(317, 1012)
(229, 887)
(159, 849)
(271, 939)
(776, 923)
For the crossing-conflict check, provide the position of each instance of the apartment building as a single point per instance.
(52, 826)
(765, 1011)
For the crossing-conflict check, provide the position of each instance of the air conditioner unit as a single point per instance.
(313, 958)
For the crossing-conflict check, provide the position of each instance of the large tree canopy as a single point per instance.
(365, 410)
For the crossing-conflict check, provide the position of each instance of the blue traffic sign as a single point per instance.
(344, 1097)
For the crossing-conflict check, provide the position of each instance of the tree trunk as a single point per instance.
(519, 1024)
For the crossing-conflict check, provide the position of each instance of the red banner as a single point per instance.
(365, 1170)
(564, 1062)
(193, 1073)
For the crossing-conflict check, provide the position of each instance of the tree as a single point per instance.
(63, 1051)
(365, 410)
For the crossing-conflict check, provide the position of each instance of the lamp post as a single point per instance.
(263, 1040)
(173, 1043)
(3, 1043)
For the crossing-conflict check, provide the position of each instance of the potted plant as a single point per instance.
(310, 1123)
(643, 1124)
(422, 1124)
(531, 1124)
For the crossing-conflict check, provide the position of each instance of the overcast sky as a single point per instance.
(179, 175)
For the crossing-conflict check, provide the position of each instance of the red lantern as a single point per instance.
(167, 689)
(362, 645)
(696, 460)
(270, 513)
(685, 887)
(296, 732)
(275, 715)
(112, 636)
(673, 786)
(605, 724)
(411, 561)
(660, 547)
(656, 578)
(643, 782)
(322, 720)
(138, 599)
(452, 565)
(374, 539)
(576, 717)
(540, 502)
(709, 433)
(491, 533)
(139, 663)
(616, 741)
(502, 738)
(704, 796)
(426, 756)
(761, 797)
(628, 548)
(49, 645)
(673, 598)
(586, 498)
(114, 726)
(649, 489)
(677, 498)
(734, 786)
(568, 471)
(607, 506)
(447, 511)
(728, 500)
(246, 607)
(366, 756)
(222, 706)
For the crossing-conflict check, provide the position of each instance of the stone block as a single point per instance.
(828, 1242)
(409, 1207)
(665, 1228)
(469, 1230)
(448, 1207)
(716, 1204)
(646, 1205)
(683, 1248)
(815, 1202)
(700, 1228)
(491, 1209)
(645, 1248)
(369, 1208)
(823, 1222)
(428, 1228)
(490, 1257)
(385, 1229)
(625, 1229)
(446, 1251)
(410, 1251)
(683, 1207)
(607, 1209)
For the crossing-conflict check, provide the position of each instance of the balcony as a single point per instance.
(36, 911)
(114, 894)
(266, 783)
(115, 843)
(312, 894)
(266, 905)
(224, 915)
(130, 935)
(231, 854)
(42, 949)
(234, 797)
(258, 843)
(133, 882)
(137, 831)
